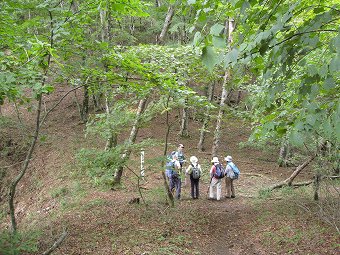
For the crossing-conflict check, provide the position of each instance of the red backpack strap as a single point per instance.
(214, 170)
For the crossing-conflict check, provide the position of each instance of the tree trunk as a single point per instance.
(206, 119)
(184, 122)
(104, 25)
(112, 140)
(24, 168)
(131, 139)
(168, 127)
(158, 3)
(282, 161)
(167, 190)
(224, 96)
(217, 133)
(317, 179)
(14, 184)
(85, 105)
(167, 22)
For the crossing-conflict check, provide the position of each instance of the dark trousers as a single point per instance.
(175, 184)
(194, 187)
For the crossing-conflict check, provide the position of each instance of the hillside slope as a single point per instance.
(56, 194)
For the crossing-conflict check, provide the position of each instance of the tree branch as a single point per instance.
(61, 99)
(138, 183)
(57, 243)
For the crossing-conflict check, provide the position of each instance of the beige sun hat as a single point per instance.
(215, 160)
(228, 158)
(193, 159)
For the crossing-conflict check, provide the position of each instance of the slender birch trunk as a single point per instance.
(226, 77)
(112, 140)
(206, 119)
(167, 23)
(185, 120)
(131, 140)
(283, 154)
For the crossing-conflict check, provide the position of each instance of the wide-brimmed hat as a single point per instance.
(215, 160)
(193, 159)
(228, 158)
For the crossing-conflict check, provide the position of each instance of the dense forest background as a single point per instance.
(86, 86)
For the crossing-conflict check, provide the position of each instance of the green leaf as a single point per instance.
(209, 57)
(216, 29)
(231, 57)
(327, 128)
(219, 42)
(323, 71)
(311, 119)
(197, 38)
(335, 64)
(191, 2)
(318, 10)
(329, 83)
(296, 138)
(336, 43)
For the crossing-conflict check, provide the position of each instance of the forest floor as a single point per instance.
(57, 194)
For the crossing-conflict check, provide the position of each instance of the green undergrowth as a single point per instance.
(19, 243)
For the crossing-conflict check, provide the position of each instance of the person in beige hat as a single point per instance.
(229, 180)
(216, 175)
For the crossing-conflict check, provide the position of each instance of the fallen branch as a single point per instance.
(57, 243)
(289, 180)
(253, 174)
(60, 100)
(331, 177)
(302, 184)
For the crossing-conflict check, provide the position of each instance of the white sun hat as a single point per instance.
(215, 160)
(228, 158)
(193, 159)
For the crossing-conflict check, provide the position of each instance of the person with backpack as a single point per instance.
(181, 159)
(173, 172)
(195, 172)
(169, 165)
(232, 173)
(216, 175)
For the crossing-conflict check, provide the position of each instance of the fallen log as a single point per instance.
(289, 180)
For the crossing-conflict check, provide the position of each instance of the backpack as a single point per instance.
(219, 172)
(195, 172)
(236, 172)
(170, 168)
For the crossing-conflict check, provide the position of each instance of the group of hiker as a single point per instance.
(174, 170)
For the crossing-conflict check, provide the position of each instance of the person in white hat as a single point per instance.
(195, 172)
(216, 175)
(229, 180)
